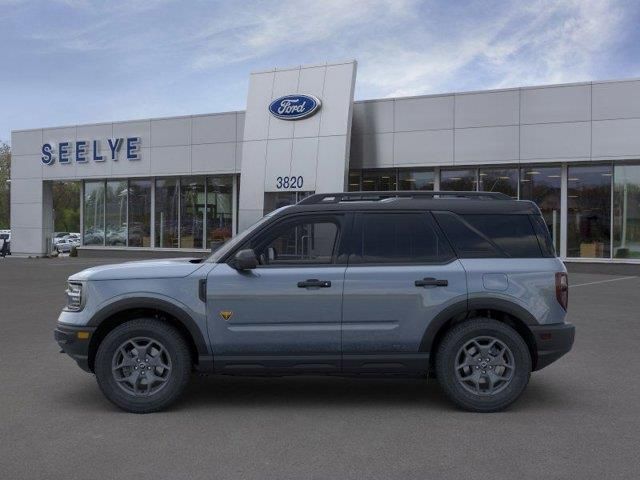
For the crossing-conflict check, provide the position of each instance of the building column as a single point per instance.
(563, 211)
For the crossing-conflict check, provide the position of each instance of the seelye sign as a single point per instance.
(294, 107)
(82, 151)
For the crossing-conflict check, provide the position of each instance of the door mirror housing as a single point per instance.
(245, 260)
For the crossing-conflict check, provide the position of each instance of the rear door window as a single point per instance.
(405, 238)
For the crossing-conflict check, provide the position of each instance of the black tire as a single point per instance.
(177, 376)
(449, 353)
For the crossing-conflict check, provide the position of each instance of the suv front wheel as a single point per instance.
(483, 365)
(143, 365)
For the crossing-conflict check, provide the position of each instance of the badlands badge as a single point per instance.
(226, 314)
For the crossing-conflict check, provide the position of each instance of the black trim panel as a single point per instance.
(553, 341)
(504, 306)
(276, 364)
(386, 363)
(78, 349)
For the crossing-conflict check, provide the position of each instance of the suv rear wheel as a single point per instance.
(143, 365)
(483, 365)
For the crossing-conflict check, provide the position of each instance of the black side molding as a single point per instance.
(202, 290)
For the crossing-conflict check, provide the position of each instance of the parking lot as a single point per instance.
(579, 418)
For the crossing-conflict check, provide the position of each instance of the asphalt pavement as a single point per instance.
(578, 419)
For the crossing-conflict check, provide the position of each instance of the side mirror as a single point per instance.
(245, 260)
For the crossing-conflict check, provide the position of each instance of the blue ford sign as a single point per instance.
(294, 107)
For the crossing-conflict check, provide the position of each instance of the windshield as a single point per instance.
(241, 237)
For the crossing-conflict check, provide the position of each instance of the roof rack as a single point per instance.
(320, 198)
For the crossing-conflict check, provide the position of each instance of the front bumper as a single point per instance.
(75, 341)
(552, 342)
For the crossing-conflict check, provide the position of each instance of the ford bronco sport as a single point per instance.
(463, 286)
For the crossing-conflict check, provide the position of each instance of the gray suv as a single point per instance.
(462, 286)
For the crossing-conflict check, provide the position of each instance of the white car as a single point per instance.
(65, 245)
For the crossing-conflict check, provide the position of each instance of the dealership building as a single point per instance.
(189, 183)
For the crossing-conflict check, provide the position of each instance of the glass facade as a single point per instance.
(93, 208)
(275, 200)
(139, 213)
(184, 212)
(626, 212)
(458, 180)
(589, 211)
(503, 180)
(416, 179)
(116, 213)
(542, 185)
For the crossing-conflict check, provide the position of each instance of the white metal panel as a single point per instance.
(331, 173)
(429, 147)
(125, 168)
(170, 132)
(100, 133)
(372, 151)
(372, 117)
(425, 113)
(616, 100)
(311, 82)
(26, 166)
(556, 104)
(26, 190)
(304, 161)
(213, 158)
(616, 138)
(256, 122)
(213, 128)
(487, 109)
(555, 141)
(338, 97)
(285, 83)
(278, 162)
(138, 128)
(252, 186)
(486, 144)
(26, 142)
(172, 160)
(239, 126)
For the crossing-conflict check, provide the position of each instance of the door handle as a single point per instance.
(313, 282)
(431, 282)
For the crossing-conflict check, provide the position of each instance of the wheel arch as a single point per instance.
(127, 309)
(504, 311)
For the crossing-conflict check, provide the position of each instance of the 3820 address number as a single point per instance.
(289, 182)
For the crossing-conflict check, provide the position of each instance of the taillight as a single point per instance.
(562, 289)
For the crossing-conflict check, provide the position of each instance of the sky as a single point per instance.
(65, 62)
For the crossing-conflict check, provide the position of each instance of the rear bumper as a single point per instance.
(77, 348)
(552, 342)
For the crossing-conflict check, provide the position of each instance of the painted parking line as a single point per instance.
(601, 281)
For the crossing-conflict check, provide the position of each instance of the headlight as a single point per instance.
(74, 296)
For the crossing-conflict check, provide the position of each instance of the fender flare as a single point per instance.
(464, 307)
(156, 304)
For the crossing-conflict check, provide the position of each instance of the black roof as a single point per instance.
(457, 202)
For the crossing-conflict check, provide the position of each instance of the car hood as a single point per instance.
(169, 268)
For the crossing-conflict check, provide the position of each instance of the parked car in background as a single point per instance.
(5, 238)
(66, 244)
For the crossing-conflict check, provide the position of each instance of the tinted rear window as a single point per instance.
(486, 236)
(399, 238)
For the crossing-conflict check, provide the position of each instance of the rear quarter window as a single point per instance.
(491, 236)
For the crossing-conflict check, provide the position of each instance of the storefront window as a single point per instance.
(503, 180)
(140, 213)
(219, 205)
(626, 211)
(275, 200)
(116, 213)
(379, 180)
(416, 179)
(589, 211)
(166, 211)
(93, 213)
(458, 180)
(354, 181)
(192, 207)
(542, 186)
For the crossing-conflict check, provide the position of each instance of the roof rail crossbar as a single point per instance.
(320, 198)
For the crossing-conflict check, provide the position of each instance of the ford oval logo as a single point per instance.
(294, 107)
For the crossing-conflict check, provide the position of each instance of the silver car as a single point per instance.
(463, 286)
